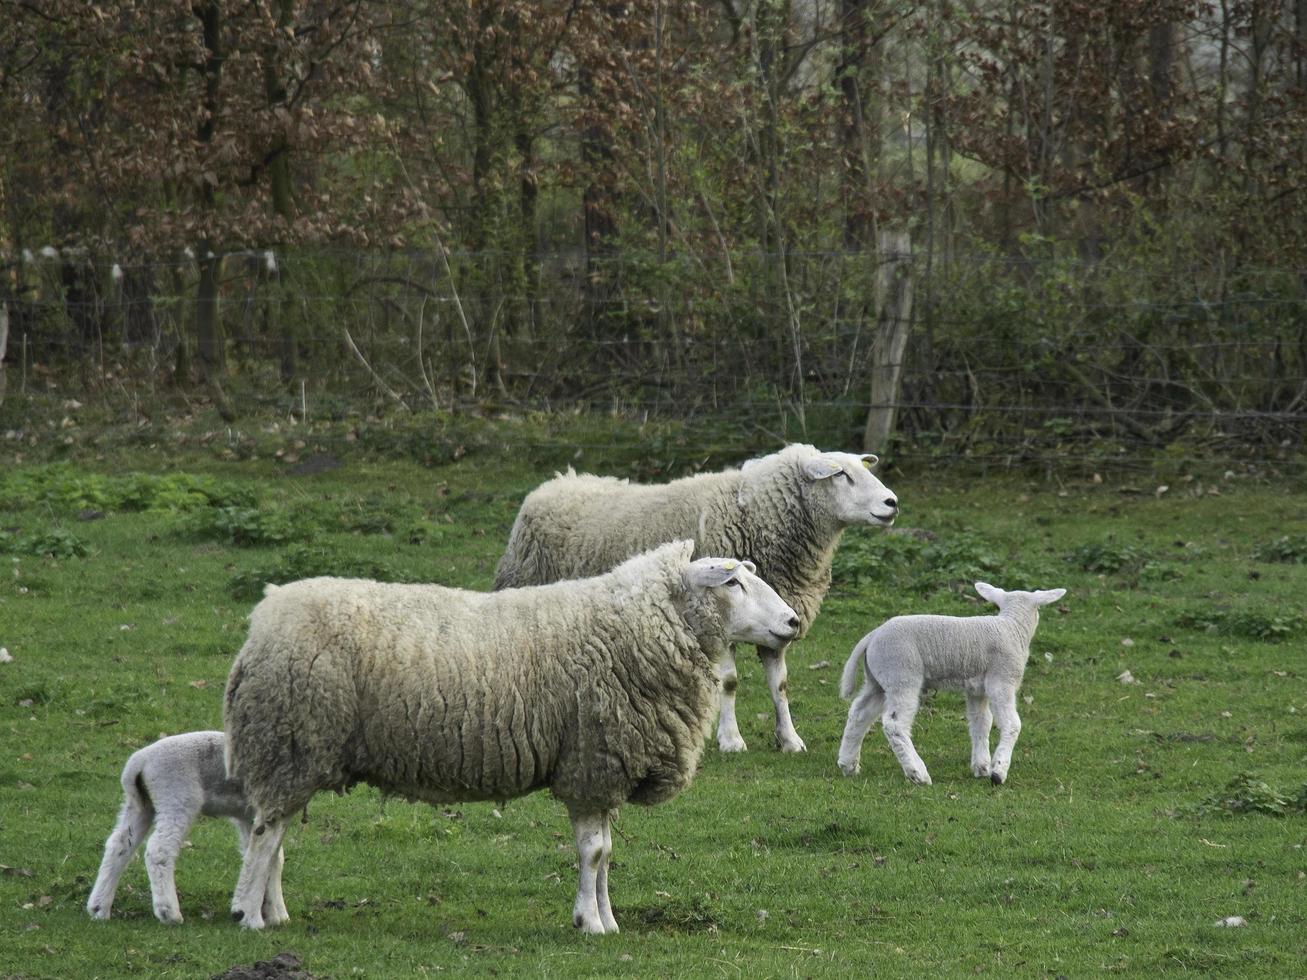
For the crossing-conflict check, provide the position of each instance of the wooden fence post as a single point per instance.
(893, 325)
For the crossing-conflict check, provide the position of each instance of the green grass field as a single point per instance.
(1135, 817)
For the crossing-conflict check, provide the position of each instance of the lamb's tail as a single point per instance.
(857, 660)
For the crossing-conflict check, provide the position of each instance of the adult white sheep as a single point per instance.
(168, 784)
(600, 689)
(785, 512)
(984, 655)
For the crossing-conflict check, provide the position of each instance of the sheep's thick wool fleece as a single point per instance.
(578, 524)
(597, 689)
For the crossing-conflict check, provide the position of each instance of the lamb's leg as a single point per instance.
(729, 738)
(1003, 697)
(979, 722)
(133, 823)
(589, 830)
(260, 855)
(773, 663)
(863, 712)
(170, 828)
(601, 884)
(896, 717)
(274, 904)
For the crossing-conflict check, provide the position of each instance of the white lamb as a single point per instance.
(169, 784)
(984, 655)
(601, 690)
(786, 512)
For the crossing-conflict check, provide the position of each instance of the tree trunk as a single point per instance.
(893, 325)
(4, 344)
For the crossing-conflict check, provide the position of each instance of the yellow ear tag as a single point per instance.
(866, 464)
(729, 566)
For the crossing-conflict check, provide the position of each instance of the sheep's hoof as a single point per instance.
(996, 778)
(980, 772)
(168, 917)
(920, 778)
(793, 745)
(850, 768)
(732, 744)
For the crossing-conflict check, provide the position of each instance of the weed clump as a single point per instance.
(1290, 549)
(305, 561)
(1245, 793)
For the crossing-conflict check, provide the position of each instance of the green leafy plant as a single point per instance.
(1246, 793)
(1289, 549)
(307, 561)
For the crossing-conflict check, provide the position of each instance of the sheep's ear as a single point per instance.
(821, 468)
(1045, 596)
(707, 573)
(987, 591)
(869, 460)
(684, 548)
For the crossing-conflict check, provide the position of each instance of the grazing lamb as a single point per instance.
(785, 512)
(601, 690)
(984, 655)
(168, 784)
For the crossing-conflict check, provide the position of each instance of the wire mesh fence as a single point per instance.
(1006, 362)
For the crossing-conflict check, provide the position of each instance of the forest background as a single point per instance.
(1006, 232)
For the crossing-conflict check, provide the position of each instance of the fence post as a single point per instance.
(893, 324)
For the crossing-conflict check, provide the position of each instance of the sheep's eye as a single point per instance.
(846, 474)
(734, 583)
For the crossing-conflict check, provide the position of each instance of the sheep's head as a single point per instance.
(750, 611)
(845, 487)
(1018, 602)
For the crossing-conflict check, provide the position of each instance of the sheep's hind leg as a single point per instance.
(729, 738)
(897, 716)
(1004, 701)
(979, 722)
(773, 663)
(161, 852)
(589, 830)
(124, 839)
(601, 883)
(260, 855)
(863, 712)
(274, 903)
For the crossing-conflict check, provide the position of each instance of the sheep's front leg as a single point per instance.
(979, 722)
(593, 844)
(161, 852)
(261, 854)
(897, 716)
(729, 738)
(773, 663)
(1003, 697)
(128, 832)
(863, 712)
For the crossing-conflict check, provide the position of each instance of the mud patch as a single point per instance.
(283, 966)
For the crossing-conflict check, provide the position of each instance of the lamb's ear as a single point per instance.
(685, 548)
(707, 573)
(869, 460)
(1045, 596)
(821, 467)
(987, 591)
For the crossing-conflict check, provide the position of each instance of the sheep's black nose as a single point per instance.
(793, 623)
(891, 503)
